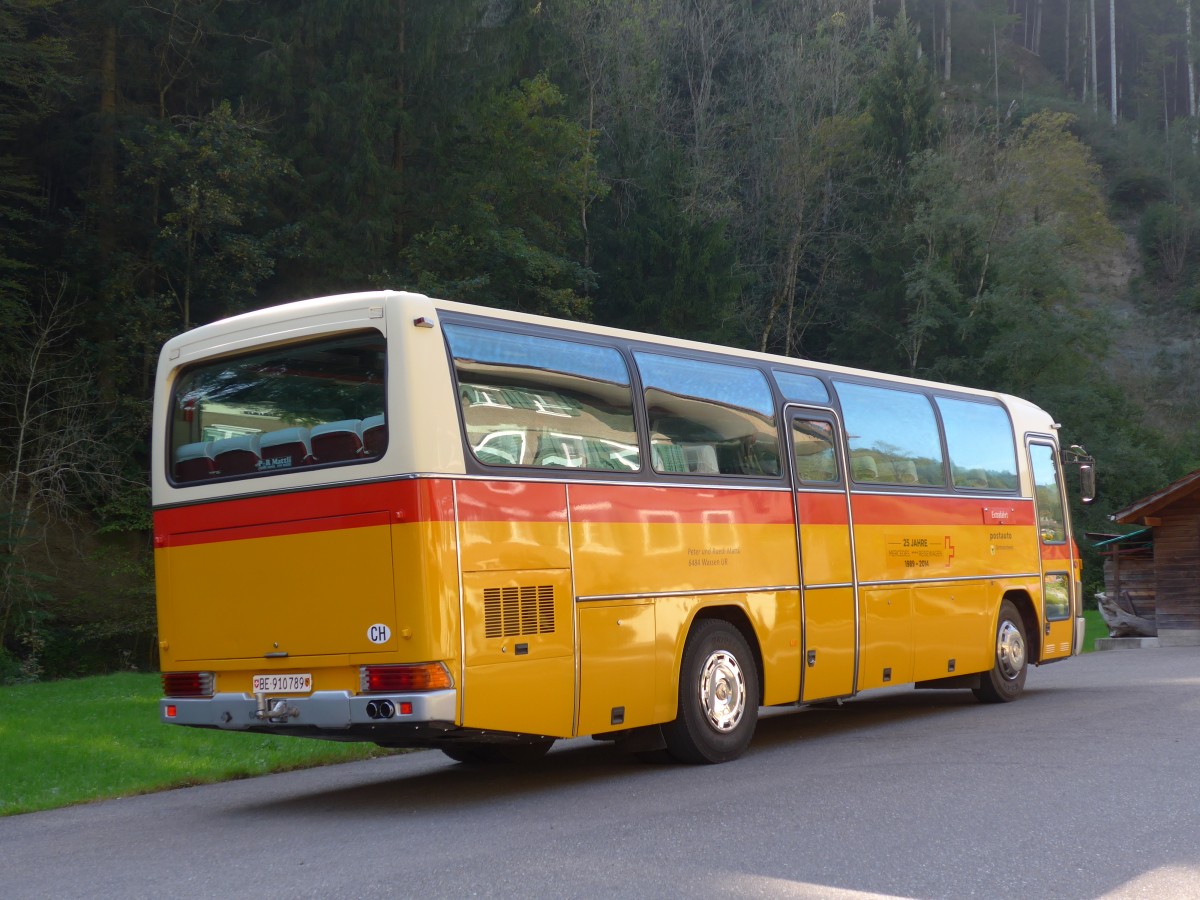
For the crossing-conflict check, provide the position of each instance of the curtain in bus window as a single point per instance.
(531, 400)
(893, 436)
(299, 405)
(979, 437)
(708, 418)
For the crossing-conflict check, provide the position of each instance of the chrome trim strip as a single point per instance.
(946, 494)
(654, 595)
(920, 581)
(306, 489)
(639, 480)
(595, 598)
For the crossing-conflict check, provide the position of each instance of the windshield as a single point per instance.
(300, 405)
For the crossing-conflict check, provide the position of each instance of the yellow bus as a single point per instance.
(385, 517)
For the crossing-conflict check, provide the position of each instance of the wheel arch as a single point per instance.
(1029, 618)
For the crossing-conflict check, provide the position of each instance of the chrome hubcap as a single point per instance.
(722, 691)
(1010, 650)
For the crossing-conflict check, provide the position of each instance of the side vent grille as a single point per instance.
(512, 611)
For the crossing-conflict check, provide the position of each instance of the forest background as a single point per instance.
(999, 193)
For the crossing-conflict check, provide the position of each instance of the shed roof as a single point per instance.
(1136, 512)
(1143, 535)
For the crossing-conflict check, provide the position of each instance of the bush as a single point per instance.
(11, 669)
(1137, 188)
(1168, 237)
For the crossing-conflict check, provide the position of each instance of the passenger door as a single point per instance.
(1056, 551)
(828, 606)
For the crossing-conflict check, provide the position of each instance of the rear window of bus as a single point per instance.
(277, 410)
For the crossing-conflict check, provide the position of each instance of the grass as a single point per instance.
(1094, 627)
(65, 742)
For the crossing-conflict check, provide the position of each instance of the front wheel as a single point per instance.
(718, 696)
(1006, 679)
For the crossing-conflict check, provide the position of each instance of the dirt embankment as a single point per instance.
(1155, 348)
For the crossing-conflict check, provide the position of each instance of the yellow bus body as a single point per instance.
(560, 606)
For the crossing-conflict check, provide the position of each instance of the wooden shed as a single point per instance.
(1128, 599)
(1174, 515)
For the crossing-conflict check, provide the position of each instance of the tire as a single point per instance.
(718, 696)
(1006, 679)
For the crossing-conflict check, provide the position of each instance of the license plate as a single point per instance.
(283, 684)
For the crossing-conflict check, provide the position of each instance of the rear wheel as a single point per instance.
(1006, 679)
(718, 696)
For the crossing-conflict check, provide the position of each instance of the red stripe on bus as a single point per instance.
(606, 503)
(822, 509)
(432, 499)
(898, 509)
(408, 500)
(512, 501)
(1056, 551)
(279, 529)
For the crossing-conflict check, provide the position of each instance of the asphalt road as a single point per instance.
(1087, 786)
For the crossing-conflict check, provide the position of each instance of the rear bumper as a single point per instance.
(1080, 625)
(332, 711)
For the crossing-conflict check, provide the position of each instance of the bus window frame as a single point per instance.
(949, 463)
(1044, 440)
(475, 466)
(178, 376)
(732, 361)
(784, 398)
(873, 487)
(626, 348)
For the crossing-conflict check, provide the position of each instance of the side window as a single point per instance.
(1052, 519)
(893, 436)
(801, 388)
(529, 400)
(980, 440)
(709, 418)
(1056, 596)
(816, 456)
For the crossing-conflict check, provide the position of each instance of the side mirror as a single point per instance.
(1077, 456)
(1087, 482)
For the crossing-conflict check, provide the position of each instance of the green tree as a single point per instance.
(516, 173)
(900, 97)
(212, 178)
(33, 66)
(55, 461)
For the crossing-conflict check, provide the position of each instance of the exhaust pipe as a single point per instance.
(381, 709)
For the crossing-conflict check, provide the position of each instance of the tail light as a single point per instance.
(187, 684)
(400, 679)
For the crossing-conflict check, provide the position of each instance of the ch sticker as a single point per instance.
(379, 634)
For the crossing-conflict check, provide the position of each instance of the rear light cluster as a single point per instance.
(401, 679)
(187, 684)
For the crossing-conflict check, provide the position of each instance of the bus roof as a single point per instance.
(325, 309)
